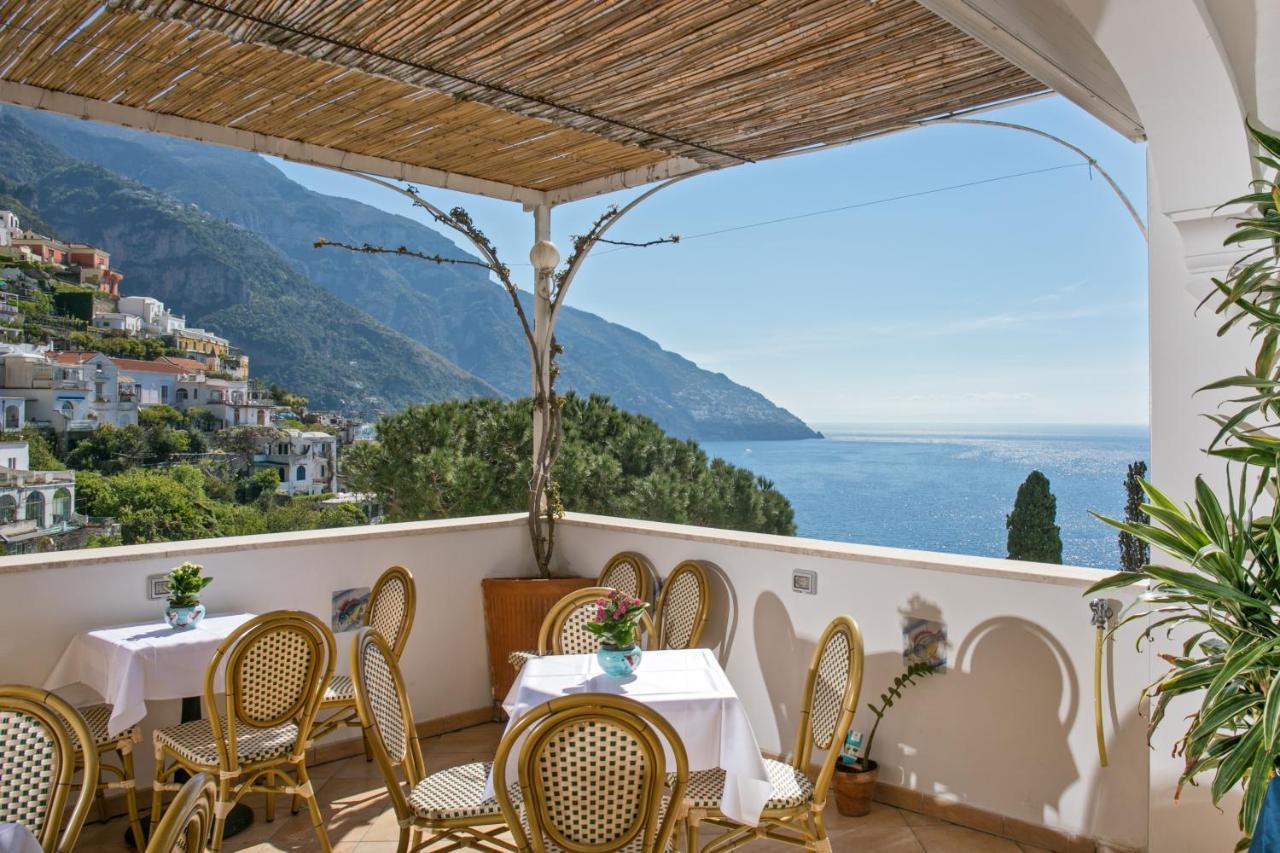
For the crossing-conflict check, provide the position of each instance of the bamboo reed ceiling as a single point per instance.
(541, 95)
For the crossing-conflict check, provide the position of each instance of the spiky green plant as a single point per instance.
(1225, 596)
(919, 669)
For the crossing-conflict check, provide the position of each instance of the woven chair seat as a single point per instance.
(96, 718)
(519, 659)
(457, 792)
(791, 787)
(634, 846)
(195, 743)
(341, 688)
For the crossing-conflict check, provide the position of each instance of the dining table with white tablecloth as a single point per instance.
(686, 686)
(16, 838)
(130, 665)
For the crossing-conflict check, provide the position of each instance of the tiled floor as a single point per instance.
(359, 818)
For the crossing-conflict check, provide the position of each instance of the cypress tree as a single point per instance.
(1134, 553)
(1032, 532)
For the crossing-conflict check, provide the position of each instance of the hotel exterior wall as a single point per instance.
(1008, 729)
(45, 600)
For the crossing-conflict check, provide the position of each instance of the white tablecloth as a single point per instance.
(16, 838)
(131, 664)
(689, 688)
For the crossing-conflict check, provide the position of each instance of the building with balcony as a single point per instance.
(115, 321)
(36, 507)
(199, 343)
(230, 402)
(40, 248)
(306, 461)
(156, 320)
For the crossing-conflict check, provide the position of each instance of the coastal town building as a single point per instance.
(153, 317)
(10, 227)
(41, 248)
(306, 461)
(35, 506)
(230, 402)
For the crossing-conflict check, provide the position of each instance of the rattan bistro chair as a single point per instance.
(682, 606)
(186, 825)
(562, 632)
(446, 806)
(628, 572)
(38, 736)
(793, 813)
(392, 604)
(277, 666)
(590, 769)
(117, 776)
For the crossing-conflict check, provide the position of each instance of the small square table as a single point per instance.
(131, 664)
(687, 687)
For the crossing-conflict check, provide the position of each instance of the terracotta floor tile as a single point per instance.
(947, 838)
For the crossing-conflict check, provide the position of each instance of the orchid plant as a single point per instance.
(617, 616)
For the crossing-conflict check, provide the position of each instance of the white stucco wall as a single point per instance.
(1008, 729)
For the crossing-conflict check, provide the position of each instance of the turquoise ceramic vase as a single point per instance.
(618, 661)
(182, 618)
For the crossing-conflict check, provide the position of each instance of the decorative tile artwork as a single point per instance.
(348, 608)
(924, 641)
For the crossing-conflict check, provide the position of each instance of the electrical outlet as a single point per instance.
(804, 581)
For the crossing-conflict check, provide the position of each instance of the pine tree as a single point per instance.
(1134, 553)
(1032, 532)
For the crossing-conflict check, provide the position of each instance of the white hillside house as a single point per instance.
(34, 505)
(306, 461)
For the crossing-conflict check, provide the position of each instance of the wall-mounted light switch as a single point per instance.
(805, 581)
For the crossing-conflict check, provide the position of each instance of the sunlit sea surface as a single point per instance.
(947, 488)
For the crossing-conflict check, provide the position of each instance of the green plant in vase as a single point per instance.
(186, 582)
(616, 623)
(1222, 594)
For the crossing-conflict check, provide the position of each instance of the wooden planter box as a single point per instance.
(513, 612)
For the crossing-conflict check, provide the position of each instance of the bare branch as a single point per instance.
(369, 248)
(673, 238)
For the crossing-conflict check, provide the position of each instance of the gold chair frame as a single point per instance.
(644, 571)
(186, 825)
(60, 722)
(125, 778)
(280, 774)
(802, 825)
(551, 634)
(696, 570)
(656, 827)
(478, 833)
(341, 712)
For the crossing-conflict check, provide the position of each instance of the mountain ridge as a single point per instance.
(455, 311)
(227, 280)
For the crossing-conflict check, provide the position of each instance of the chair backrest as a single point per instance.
(628, 572)
(38, 736)
(830, 698)
(383, 705)
(562, 632)
(591, 769)
(392, 604)
(682, 606)
(277, 667)
(186, 823)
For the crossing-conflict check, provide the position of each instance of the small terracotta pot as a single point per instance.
(855, 786)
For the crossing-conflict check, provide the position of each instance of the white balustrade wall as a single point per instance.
(1007, 729)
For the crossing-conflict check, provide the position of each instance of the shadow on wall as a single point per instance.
(784, 663)
(722, 618)
(993, 729)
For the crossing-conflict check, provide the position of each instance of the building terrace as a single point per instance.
(548, 104)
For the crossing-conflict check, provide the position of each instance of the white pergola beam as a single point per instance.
(1049, 43)
(77, 106)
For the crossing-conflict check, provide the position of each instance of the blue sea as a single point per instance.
(948, 488)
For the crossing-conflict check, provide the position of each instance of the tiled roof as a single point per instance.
(136, 364)
(187, 364)
(72, 356)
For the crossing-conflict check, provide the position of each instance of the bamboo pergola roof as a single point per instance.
(538, 102)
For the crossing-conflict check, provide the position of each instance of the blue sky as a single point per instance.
(1014, 301)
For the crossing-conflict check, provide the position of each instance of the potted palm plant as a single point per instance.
(856, 772)
(1223, 589)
